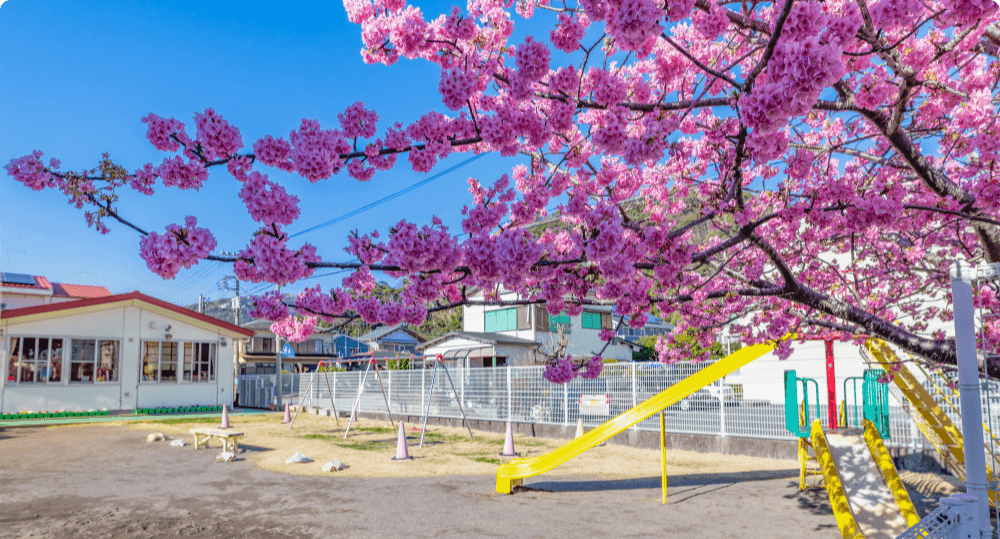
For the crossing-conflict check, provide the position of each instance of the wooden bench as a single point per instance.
(229, 439)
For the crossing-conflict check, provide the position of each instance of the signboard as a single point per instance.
(286, 351)
(595, 404)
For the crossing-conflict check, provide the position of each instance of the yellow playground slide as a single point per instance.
(867, 496)
(514, 472)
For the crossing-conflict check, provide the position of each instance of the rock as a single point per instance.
(334, 466)
(156, 437)
(226, 456)
(178, 443)
(298, 458)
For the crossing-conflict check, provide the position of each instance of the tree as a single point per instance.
(843, 154)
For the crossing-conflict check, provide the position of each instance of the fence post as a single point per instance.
(510, 401)
(333, 390)
(390, 388)
(566, 403)
(722, 414)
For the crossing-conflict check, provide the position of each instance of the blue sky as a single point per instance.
(75, 79)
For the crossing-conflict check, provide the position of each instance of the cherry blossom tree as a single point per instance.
(789, 167)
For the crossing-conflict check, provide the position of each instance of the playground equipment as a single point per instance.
(439, 362)
(927, 413)
(867, 496)
(361, 390)
(514, 472)
(303, 398)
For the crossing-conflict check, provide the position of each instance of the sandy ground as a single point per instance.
(370, 445)
(107, 481)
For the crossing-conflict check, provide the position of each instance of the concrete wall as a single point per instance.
(130, 326)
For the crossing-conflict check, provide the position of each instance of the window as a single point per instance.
(592, 320)
(523, 317)
(501, 320)
(35, 360)
(541, 318)
(151, 362)
(199, 362)
(562, 319)
(93, 360)
(172, 362)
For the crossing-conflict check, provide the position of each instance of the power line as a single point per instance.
(389, 197)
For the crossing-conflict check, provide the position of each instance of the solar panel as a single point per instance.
(17, 278)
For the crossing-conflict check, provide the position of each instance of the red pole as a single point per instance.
(831, 384)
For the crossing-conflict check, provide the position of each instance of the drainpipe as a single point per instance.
(962, 276)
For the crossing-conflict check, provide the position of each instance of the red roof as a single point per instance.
(79, 290)
(89, 302)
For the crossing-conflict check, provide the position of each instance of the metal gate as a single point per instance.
(256, 391)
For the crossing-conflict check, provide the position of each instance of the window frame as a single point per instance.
(66, 359)
(182, 366)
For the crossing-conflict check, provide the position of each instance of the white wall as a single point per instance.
(763, 379)
(130, 326)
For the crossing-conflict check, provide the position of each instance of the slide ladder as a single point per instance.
(867, 496)
(514, 472)
(932, 421)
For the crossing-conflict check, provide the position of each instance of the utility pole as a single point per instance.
(201, 304)
(277, 356)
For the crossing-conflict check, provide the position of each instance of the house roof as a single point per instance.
(23, 280)
(136, 299)
(378, 333)
(79, 290)
(490, 338)
(258, 325)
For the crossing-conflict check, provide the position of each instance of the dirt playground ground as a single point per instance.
(106, 481)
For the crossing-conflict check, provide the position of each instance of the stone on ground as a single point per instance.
(334, 466)
(226, 456)
(298, 458)
(156, 437)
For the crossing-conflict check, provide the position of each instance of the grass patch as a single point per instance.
(183, 421)
(377, 430)
(364, 446)
(326, 437)
(487, 460)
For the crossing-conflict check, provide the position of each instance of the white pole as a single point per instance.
(962, 276)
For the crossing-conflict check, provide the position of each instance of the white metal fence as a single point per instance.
(748, 403)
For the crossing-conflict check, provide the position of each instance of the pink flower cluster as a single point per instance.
(294, 329)
(267, 201)
(30, 171)
(315, 152)
(165, 254)
(175, 172)
(269, 306)
(567, 34)
(218, 139)
(268, 259)
(560, 371)
(161, 132)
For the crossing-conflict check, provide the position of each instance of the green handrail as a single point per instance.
(792, 403)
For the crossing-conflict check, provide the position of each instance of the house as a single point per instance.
(479, 349)
(398, 338)
(654, 327)
(19, 290)
(115, 352)
(532, 323)
(257, 356)
(341, 345)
